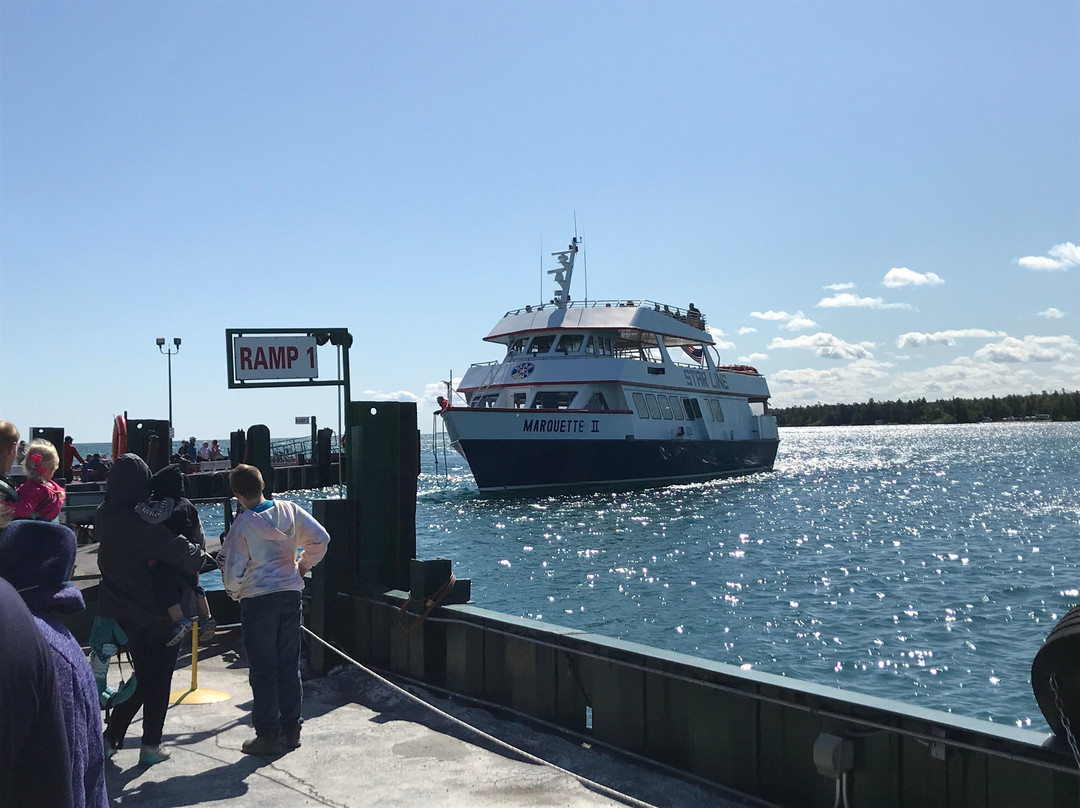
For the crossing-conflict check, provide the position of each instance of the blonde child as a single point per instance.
(40, 497)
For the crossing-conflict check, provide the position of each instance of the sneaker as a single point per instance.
(180, 630)
(263, 745)
(150, 755)
(110, 748)
(207, 629)
(291, 737)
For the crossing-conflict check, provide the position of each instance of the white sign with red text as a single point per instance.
(284, 357)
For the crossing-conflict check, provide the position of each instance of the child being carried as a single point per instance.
(170, 507)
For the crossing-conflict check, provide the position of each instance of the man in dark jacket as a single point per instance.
(127, 545)
(33, 741)
(38, 558)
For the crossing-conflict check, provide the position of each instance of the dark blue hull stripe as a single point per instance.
(501, 465)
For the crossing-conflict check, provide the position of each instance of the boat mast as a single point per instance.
(564, 273)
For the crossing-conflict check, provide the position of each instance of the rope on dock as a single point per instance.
(626, 799)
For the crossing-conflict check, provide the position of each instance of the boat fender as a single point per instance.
(119, 437)
(1055, 676)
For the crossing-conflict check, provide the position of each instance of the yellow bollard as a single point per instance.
(195, 695)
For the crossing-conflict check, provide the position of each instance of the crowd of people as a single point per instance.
(151, 550)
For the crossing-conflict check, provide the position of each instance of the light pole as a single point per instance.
(169, 352)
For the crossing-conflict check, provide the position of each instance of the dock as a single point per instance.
(367, 743)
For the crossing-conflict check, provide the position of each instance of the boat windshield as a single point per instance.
(541, 344)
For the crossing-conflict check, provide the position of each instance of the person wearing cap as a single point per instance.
(38, 559)
(191, 454)
(70, 455)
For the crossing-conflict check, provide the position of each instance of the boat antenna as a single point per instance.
(584, 261)
(541, 298)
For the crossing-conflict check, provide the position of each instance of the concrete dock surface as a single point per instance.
(365, 743)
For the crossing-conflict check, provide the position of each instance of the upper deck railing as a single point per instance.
(691, 317)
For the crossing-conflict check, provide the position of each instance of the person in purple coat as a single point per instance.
(38, 558)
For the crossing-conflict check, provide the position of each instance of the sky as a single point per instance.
(866, 200)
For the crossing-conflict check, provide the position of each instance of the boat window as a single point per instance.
(598, 346)
(665, 407)
(519, 400)
(553, 400)
(654, 408)
(689, 410)
(677, 408)
(597, 402)
(485, 402)
(697, 409)
(517, 346)
(640, 406)
(541, 344)
(714, 408)
(569, 343)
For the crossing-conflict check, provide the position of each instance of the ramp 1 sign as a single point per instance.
(277, 357)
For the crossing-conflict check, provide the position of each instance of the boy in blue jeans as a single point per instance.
(270, 547)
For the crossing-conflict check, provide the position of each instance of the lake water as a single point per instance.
(924, 564)
(919, 563)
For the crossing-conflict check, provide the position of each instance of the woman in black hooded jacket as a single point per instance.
(127, 544)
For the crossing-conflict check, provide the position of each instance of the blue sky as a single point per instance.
(866, 199)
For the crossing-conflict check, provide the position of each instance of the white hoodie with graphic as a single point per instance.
(264, 550)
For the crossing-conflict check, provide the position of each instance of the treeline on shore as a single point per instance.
(1056, 406)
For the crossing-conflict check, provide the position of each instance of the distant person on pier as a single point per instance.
(127, 543)
(9, 442)
(190, 452)
(38, 559)
(40, 497)
(168, 506)
(204, 451)
(70, 455)
(271, 546)
(94, 469)
(215, 451)
(20, 453)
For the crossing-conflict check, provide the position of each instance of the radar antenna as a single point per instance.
(564, 273)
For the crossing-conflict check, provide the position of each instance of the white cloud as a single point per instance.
(902, 276)
(1059, 258)
(914, 339)
(715, 333)
(747, 330)
(1030, 349)
(1052, 314)
(1018, 366)
(848, 300)
(824, 345)
(799, 322)
(839, 287)
(754, 357)
(791, 322)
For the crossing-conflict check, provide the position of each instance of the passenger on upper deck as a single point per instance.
(693, 316)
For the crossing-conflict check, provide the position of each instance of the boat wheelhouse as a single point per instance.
(607, 393)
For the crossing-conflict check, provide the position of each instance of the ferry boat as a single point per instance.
(607, 393)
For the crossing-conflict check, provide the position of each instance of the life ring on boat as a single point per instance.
(1055, 674)
(119, 436)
